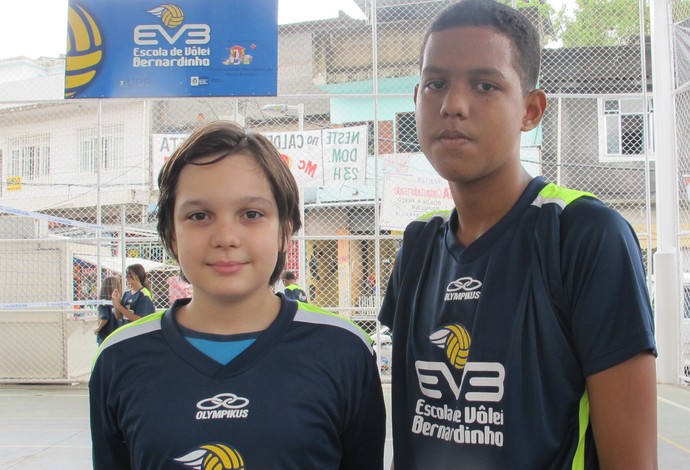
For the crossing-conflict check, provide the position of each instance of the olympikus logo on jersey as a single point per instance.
(223, 406)
(464, 288)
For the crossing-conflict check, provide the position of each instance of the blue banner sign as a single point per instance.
(148, 48)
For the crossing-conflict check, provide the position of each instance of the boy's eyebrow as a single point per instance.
(480, 72)
(243, 200)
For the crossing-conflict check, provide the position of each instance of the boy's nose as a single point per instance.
(226, 234)
(455, 103)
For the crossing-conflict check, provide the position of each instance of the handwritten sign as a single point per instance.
(345, 154)
(324, 157)
(411, 188)
(302, 151)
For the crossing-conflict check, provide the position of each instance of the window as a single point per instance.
(406, 133)
(622, 129)
(112, 143)
(30, 156)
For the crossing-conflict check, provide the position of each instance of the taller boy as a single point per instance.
(522, 328)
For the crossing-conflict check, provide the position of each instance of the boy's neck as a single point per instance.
(248, 315)
(482, 204)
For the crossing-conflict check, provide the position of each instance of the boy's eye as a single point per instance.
(198, 216)
(484, 86)
(252, 215)
(435, 84)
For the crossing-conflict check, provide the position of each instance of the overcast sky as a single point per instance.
(35, 28)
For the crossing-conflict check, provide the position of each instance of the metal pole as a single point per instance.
(302, 242)
(99, 182)
(123, 247)
(666, 268)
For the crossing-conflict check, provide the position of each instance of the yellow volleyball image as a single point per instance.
(171, 15)
(84, 50)
(221, 457)
(458, 346)
(455, 341)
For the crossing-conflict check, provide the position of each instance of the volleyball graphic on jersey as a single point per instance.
(84, 50)
(455, 340)
(213, 457)
(171, 15)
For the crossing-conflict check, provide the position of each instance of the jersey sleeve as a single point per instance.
(605, 286)
(109, 451)
(387, 312)
(364, 435)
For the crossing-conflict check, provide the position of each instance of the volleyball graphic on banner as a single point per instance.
(171, 15)
(84, 50)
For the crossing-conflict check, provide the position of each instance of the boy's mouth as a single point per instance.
(452, 135)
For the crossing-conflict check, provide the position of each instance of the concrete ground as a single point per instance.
(47, 426)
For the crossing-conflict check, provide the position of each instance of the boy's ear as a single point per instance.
(535, 105)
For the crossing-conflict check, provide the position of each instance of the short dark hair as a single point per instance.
(507, 20)
(227, 138)
(289, 276)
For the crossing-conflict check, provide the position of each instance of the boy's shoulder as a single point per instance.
(560, 195)
(578, 207)
(318, 317)
(437, 215)
(130, 331)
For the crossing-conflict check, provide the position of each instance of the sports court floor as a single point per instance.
(47, 426)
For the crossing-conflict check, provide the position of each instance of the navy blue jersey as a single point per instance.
(139, 302)
(107, 312)
(305, 395)
(492, 342)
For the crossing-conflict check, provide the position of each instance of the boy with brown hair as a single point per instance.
(235, 377)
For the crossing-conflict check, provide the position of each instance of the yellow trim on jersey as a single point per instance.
(579, 457)
(313, 309)
(567, 195)
(113, 336)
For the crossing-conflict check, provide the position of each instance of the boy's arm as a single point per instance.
(623, 413)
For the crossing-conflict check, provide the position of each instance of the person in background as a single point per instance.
(235, 376)
(292, 290)
(137, 302)
(522, 330)
(107, 320)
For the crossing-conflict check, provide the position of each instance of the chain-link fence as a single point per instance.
(80, 175)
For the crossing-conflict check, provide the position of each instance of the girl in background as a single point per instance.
(138, 301)
(107, 319)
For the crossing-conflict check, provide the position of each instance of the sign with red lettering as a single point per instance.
(324, 157)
